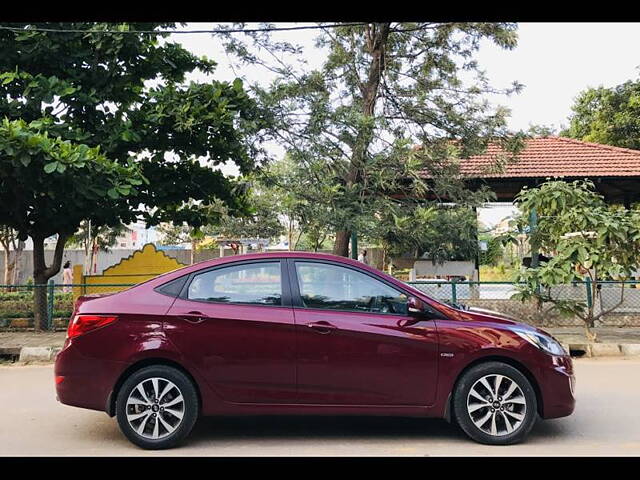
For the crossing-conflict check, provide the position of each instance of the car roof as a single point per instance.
(276, 255)
(166, 277)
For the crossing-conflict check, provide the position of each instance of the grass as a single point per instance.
(501, 273)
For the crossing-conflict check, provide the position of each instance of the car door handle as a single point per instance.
(322, 327)
(195, 317)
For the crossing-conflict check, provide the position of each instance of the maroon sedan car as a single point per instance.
(303, 333)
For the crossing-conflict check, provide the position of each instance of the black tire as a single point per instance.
(190, 407)
(464, 419)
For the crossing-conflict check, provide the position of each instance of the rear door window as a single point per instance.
(254, 283)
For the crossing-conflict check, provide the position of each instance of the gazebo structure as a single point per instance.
(614, 171)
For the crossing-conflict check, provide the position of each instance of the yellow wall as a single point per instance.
(140, 266)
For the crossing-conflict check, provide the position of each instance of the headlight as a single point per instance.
(543, 342)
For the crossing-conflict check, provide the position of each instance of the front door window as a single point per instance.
(332, 287)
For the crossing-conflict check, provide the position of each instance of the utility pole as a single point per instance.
(533, 225)
(354, 245)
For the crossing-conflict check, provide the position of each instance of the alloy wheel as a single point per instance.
(155, 408)
(496, 405)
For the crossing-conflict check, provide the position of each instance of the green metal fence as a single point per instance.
(609, 292)
(17, 301)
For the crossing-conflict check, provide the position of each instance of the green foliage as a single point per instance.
(48, 185)
(439, 233)
(304, 195)
(260, 221)
(126, 94)
(584, 237)
(494, 252)
(608, 115)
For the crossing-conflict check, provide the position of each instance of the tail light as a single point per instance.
(82, 324)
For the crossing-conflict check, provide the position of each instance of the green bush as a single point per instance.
(19, 304)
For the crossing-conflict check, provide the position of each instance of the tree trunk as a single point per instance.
(40, 320)
(11, 263)
(592, 337)
(376, 39)
(41, 274)
(18, 251)
(341, 245)
(39, 292)
(8, 267)
(384, 258)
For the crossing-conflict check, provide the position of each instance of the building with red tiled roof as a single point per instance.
(615, 171)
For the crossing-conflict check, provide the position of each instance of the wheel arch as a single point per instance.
(110, 406)
(448, 414)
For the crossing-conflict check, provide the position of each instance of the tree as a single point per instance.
(126, 93)
(13, 249)
(260, 221)
(93, 239)
(607, 115)
(494, 252)
(302, 194)
(585, 238)
(437, 232)
(383, 88)
(48, 186)
(173, 234)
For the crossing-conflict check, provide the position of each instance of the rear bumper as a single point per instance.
(87, 381)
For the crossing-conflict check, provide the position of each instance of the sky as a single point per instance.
(554, 62)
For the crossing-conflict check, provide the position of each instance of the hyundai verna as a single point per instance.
(302, 333)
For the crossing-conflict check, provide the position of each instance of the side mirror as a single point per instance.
(415, 306)
(417, 311)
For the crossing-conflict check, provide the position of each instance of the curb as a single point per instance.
(602, 349)
(38, 354)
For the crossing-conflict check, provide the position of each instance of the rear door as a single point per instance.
(354, 344)
(235, 323)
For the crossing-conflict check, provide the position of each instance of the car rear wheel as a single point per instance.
(157, 407)
(495, 404)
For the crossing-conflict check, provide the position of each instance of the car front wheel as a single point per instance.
(495, 404)
(157, 407)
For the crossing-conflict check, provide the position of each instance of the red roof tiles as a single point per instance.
(556, 157)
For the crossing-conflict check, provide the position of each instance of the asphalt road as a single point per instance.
(606, 422)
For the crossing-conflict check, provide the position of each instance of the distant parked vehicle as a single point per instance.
(303, 333)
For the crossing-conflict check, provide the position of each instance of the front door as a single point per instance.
(236, 325)
(353, 344)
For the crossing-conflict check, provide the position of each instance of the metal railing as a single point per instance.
(624, 296)
(17, 301)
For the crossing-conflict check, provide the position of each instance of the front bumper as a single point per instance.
(558, 388)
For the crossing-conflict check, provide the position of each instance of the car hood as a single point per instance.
(485, 315)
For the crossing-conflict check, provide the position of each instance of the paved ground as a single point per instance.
(606, 422)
